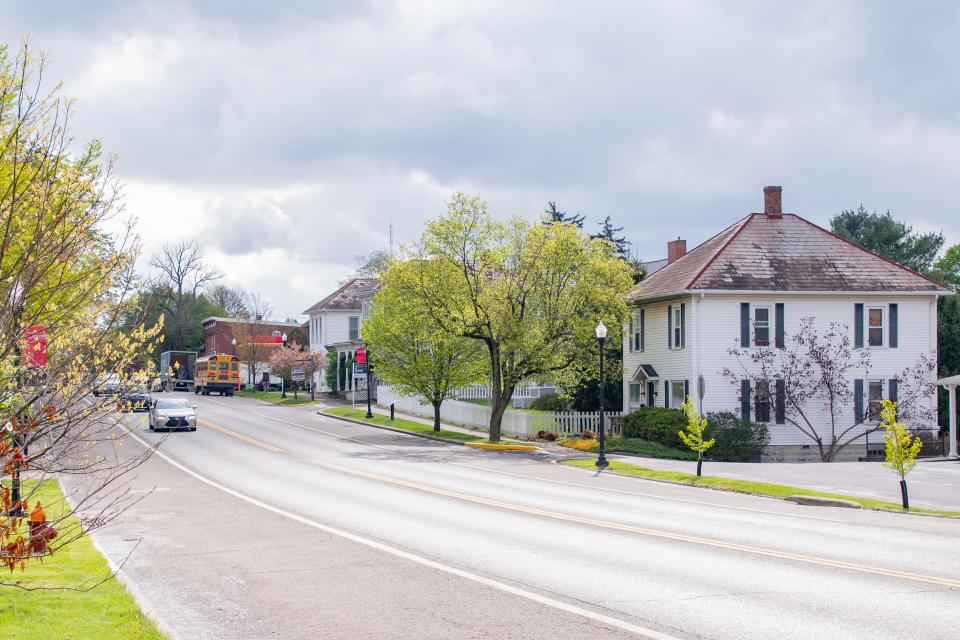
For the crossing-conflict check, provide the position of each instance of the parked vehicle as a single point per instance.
(217, 373)
(173, 413)
(135, 400)
(177, 370)
(108, 384)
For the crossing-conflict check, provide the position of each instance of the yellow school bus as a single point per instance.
(218, 372)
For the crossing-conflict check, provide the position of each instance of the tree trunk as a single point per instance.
(903, 494)
(699, 464)
(436, 416)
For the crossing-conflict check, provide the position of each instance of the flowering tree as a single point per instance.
(693, 436)
(286, 359)
(62, 276)
(814, 372)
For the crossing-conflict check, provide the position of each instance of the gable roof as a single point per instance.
(346, 297)
(781, 253)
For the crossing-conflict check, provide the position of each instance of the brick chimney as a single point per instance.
(771, 202)
(676, 249)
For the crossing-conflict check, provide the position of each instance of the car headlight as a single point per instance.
(162, 416)
(191, 417)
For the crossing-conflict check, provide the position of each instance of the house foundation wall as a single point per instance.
(810, 453)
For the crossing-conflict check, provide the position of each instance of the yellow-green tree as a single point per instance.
(530, 294)
(64, 276)
(693, 436)
(902, 447)
(408, 349)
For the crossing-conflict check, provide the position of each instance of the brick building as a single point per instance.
(218, 333)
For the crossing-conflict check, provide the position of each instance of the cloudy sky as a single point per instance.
(285, 135)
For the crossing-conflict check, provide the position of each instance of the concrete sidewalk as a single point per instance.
(934, 483)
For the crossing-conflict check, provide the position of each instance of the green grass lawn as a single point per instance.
(745, 486)
(105, 613)
(274, 397)
(636, 446)
(404, 425)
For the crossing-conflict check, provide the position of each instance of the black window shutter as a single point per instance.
(666, 394)
(686, 390)
(630, 335)
(683, 325)
(778, 312)
(781, 402)
(892, 389)
(893, 326)
(642, 328)
(858, 399)
(744, 325)
(669, 326)
(745, 399)
(858, 325)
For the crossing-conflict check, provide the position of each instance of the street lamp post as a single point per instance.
(602, 458)
(233, 343)
(283, 388)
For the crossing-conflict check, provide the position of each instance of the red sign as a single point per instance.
(35, 343)
(361, 355)
(268, 340)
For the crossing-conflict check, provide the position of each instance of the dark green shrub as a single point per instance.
(550, 402)
(658, 424)
(737, 440)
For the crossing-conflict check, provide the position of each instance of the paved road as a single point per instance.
(274, 522)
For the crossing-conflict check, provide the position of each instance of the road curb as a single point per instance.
(817, 501)
(395, 430)
(143, 603)
(501, 447)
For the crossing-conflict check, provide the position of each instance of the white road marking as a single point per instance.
(379, 546)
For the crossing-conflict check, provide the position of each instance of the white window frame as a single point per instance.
(637, 337)
(678, 328)
(882, 327)
(636, 394)
(753, 323)
(350, 330)
(674, 396)
(869, 382)
(770, 402)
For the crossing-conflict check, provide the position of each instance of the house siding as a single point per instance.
(671, 363)
(719, 331)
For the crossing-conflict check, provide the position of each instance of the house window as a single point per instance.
(638, 331)
(635, 388)
(761, 326)
(874, 398)
(762, 403)
(875, 326)
(677, 397)
(354, 328)
(678, 328)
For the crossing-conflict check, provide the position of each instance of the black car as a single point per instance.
(135, 400)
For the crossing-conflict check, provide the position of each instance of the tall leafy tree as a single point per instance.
(947, 268)
(553, 214)
(531, 294)
(891, 238)
(411, 352)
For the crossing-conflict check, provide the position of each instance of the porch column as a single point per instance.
(952, 390)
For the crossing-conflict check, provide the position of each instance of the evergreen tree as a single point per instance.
(552, 214)
(891, 238)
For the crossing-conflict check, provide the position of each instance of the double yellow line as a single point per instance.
(240, 436)
(653, 533)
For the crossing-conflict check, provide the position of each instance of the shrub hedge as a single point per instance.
(658, 424)
(550, 402)
(737, 440)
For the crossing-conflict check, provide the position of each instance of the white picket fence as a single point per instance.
(524, 424)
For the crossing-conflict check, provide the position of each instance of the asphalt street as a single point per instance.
(277, 522)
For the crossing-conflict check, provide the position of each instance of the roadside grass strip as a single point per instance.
(496, 446)
(419, 428)
(752, 487)
(274, 397)
(106, 612)
(637, 446)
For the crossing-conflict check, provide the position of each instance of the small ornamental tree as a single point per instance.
(331, 372)
(285, 360)
(902, 447)
(693, 436)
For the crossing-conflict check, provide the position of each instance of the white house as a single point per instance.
(751, 285)
(335, 322)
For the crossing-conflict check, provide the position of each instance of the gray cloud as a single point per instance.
(670, 116)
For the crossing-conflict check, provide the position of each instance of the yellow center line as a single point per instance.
(679, 537)
(262, 445)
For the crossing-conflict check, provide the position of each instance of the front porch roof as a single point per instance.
(952, 381)
(646, 372)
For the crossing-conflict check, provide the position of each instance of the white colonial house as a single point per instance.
(752, 285)
(335, 323)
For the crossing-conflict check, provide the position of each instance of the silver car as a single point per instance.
(173, 413)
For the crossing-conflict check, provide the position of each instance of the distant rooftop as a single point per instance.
(347, 296)
(278, 323)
